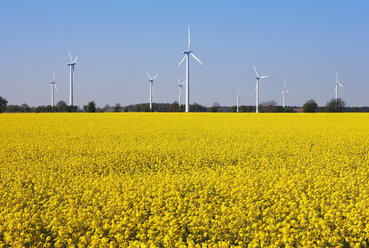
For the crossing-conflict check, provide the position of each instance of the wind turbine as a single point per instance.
(72, 63)
(257, 88)
(187, 57)
(180, 91)
(238, 92)
(337, 83)
(151, 81)
(284, 91)
(53, 85)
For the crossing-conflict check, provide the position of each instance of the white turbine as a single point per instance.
(53, 85)
(257, 88)
(284, 91)
(151, 81)
(72, 63)
(187, 57)
(180, 91)
(238, 92)
(337, 83)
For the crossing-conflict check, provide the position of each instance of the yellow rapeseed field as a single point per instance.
(178, 180)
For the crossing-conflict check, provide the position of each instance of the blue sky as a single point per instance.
(303, 42)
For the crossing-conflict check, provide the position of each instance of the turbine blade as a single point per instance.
(179, 81)
(182, 61)
(149, 75)
(54, 75)
(257, 74)
(337, 76)
(193, 55)
(284, 83)
(155, 76)
(263, 77)
(189, 38)
(70, 56)
(56, 88)
(287, 92)
(340, 84)
(75, 60)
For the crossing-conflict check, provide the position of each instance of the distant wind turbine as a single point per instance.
(238, 92)
(337, 83)
(257, 88)
(53, 85)
(72, 63)
(151, 81)
(284, 91)
(180, 91)
(187, 57)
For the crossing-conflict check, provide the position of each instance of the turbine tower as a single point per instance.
(337, 83)
(257, 88)
(53, 85)
(71, 65)
(151, 81)
(238, 92)
(187, 57)
(284, 91)
(180, 91)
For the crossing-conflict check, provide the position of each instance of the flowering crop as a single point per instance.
(177, 180)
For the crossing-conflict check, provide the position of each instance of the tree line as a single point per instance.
(265, 107)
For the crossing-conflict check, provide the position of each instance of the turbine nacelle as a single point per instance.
(53, 85)
(72, 61)
(284, 90)
(151, 79)
(179, 83)
(258, 78)
(257, 74)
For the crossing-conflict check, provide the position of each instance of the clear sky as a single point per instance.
(303, 42)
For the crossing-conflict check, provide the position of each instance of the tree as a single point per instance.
(243, 108)
(3, 104)
(234, 109)
(90, 107)
(335, 106)
(195, 107)
(106, 108)
(13, 109)
(215, 107)
(61, 106)
(181, 108)
(72, 108)
(117, 107)
(147, 108)
(267, 106)
(174, 107)
(310, 106)
(49, 108)
(25, 107)
(137, 108)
